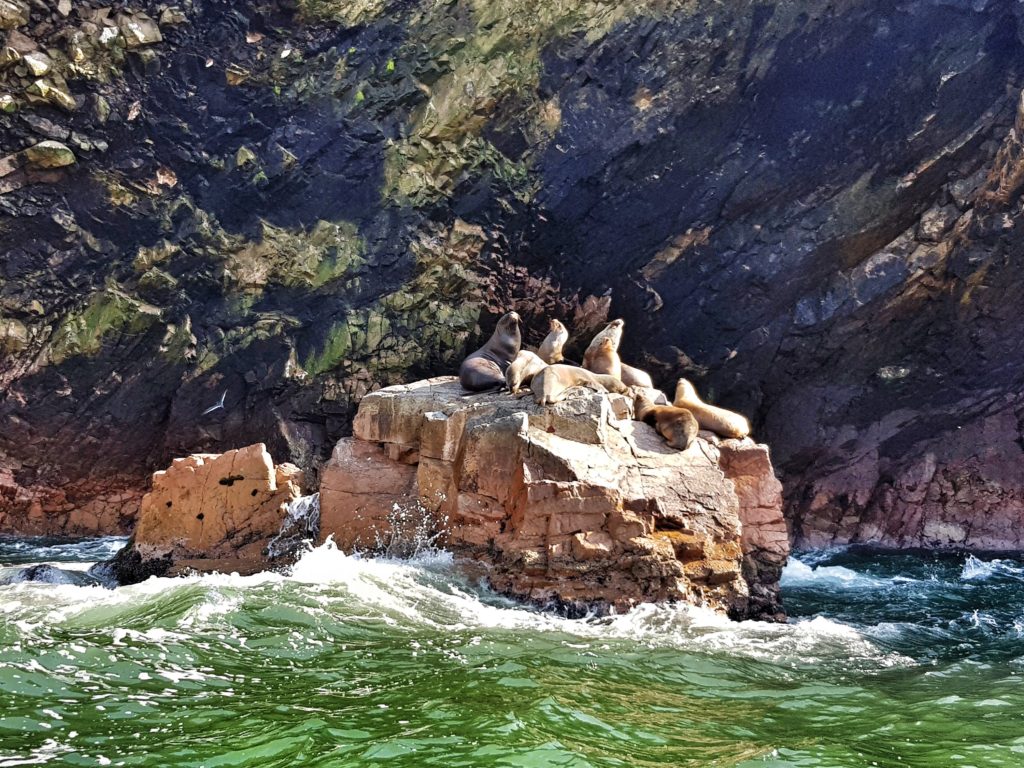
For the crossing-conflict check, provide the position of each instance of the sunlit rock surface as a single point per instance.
(210, 512)
(575, 505)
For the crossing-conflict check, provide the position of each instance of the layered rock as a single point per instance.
(574, 504)
(810, 208)
(210, 512)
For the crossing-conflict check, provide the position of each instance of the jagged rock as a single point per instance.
(13, 13)
(210, 512)
(13, 335)
(575, 504)
(139, 30)
(54, 91)
(8, 57)
(38, 63)
(751, 249)
(49, 154)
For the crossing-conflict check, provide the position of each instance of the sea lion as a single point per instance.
(523, 369)
(549, 386)
(485, 368)
(551, 348)
(604, 358)
(634, 377)
(718, 420)
(611, 331)
(677, 425)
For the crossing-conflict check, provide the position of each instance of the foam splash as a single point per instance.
(300, 525)
(980, 570)
(428, 592)
(797, 573)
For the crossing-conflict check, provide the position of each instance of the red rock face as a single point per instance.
(574, 504)
(959, 493)
(87, 508)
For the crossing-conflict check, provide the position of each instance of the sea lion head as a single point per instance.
(555, 326)
(678, 430)
(685, 392)
(510, 323)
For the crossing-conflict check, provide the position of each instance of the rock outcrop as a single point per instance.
(210, 512)
(574, 504)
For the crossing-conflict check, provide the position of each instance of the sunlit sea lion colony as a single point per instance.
(503, 364)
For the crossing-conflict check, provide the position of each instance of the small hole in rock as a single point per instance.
(200, 516)
(254, 492)
(169, 503)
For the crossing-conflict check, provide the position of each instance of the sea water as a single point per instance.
(888, 660)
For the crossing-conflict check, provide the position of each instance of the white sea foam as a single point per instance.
(797, 573)
(979, 570)
(428, 591)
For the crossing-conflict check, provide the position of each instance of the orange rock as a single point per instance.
(212, 507)
(574, 505)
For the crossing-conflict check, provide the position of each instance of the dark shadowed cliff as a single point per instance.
(812, 208)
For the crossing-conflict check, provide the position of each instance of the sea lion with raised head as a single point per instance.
(634, 377)
(550, 350)
(523, 369)
(549, 386)
(604, 358)
(611, 331)
(677, 425)
(485, 368)
(718, 420)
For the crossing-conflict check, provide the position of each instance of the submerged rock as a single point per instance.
(49, 574)
(209, 512)
(574, 505)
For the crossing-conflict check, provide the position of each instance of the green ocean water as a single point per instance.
(889, 660)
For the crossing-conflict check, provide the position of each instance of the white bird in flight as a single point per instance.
(213, 408)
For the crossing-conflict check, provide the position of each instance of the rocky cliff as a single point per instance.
(811, 208)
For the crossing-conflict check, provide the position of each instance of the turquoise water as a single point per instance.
(889, 660)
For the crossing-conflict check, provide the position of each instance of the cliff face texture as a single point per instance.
(810, 208)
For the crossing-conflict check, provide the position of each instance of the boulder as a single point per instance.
(49, 154)
(573, 505)
(13, 13)
(210, 512)
(139, 30)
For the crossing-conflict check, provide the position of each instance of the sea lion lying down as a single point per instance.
(677, 425)
(718, 420)
(523, 369)
(549, 386)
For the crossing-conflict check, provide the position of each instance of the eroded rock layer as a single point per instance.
(574, 504)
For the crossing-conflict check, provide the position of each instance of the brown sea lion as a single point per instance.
(523, 369)
(677, 425)
(485, 368)
(551, 348)
(604, 358)
(549, 386)
(634, 377)
(611, 331)
(718, 420)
